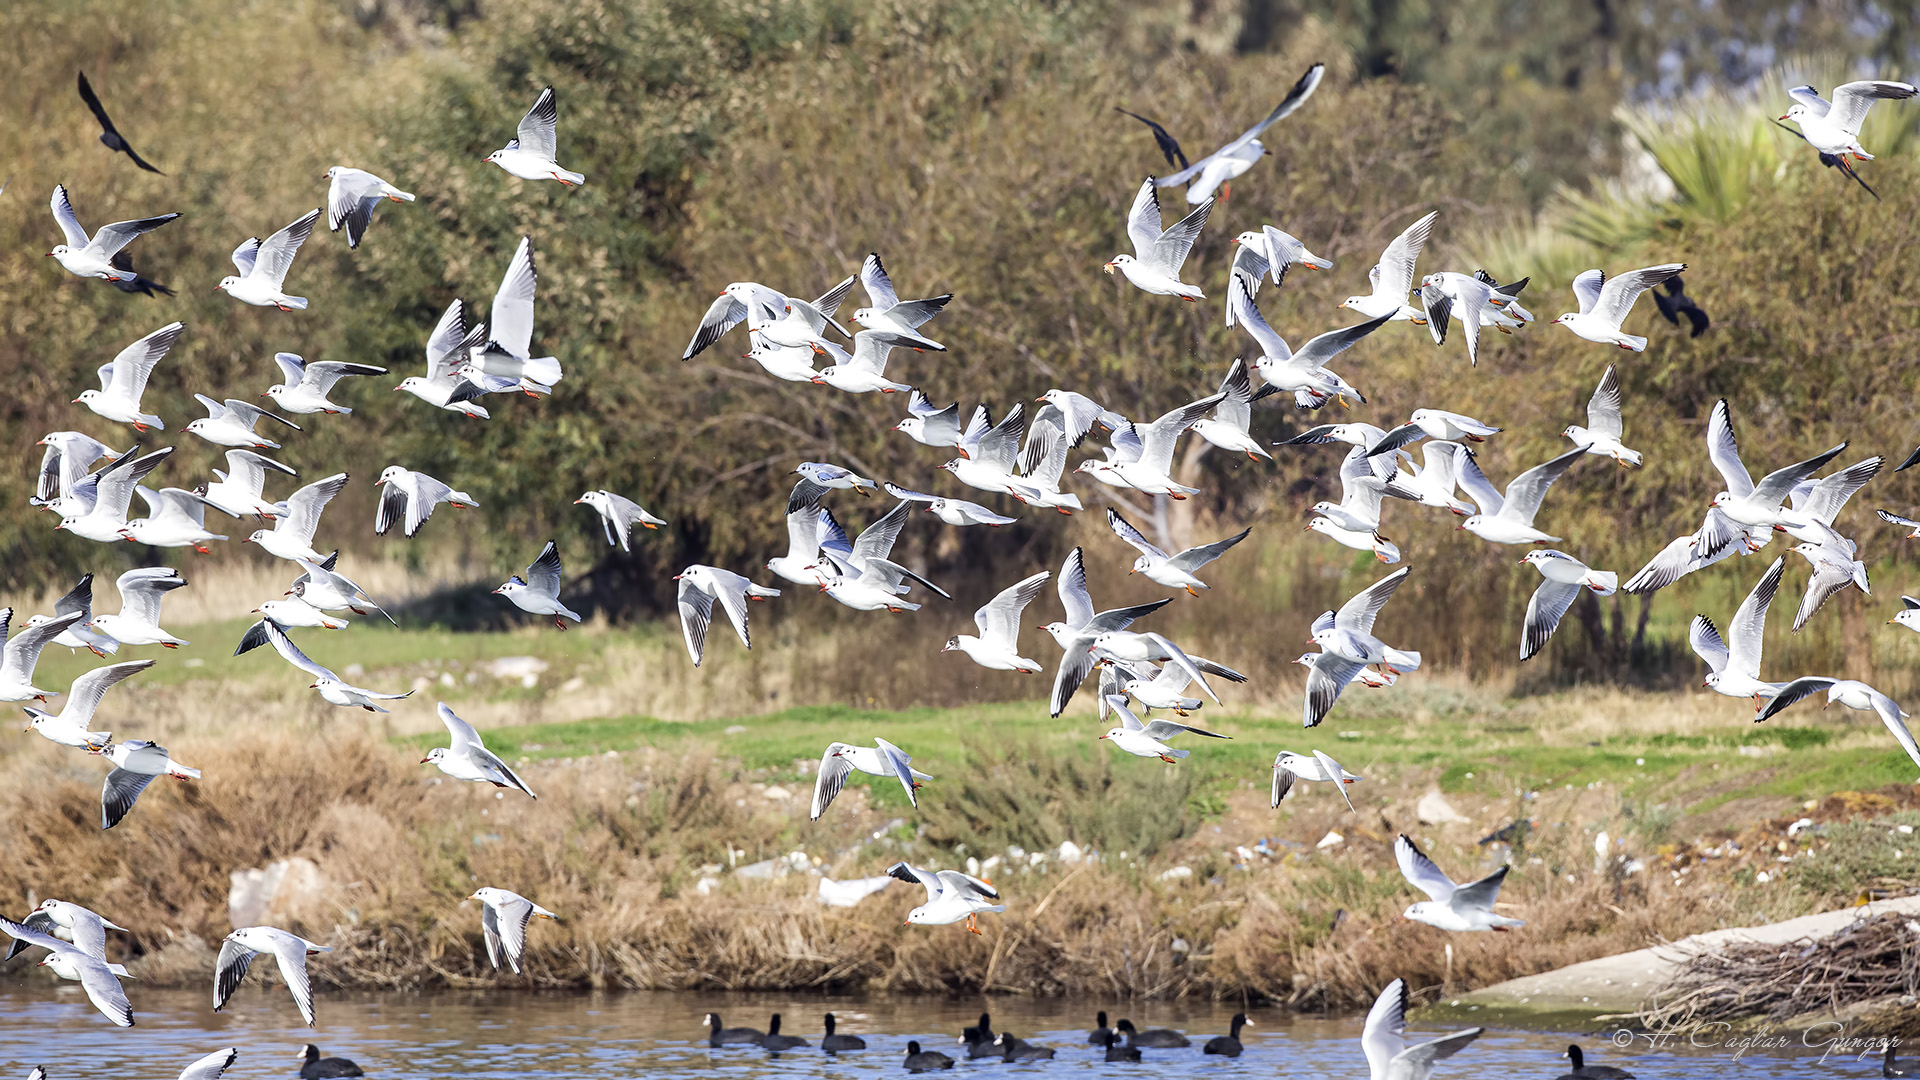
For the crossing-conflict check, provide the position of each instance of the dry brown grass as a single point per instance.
(614, 845)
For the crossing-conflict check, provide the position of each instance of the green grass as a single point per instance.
(1472, 757)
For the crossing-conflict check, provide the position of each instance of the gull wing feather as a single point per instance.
(1131, 535)
(1545, 609)
(537, 130)
(1397, 261)
(1194, 558)
(829, 778)
(1586, 289)
(1748, 628)
(291, 953)
(229, 971)
(999, 619)
(69, 221)
(1526, 491)
(276, 254)
(1706, 643)
(1603, 409)
(1359, 612)
(1421, 872)
(1805, 686)
(513, 302)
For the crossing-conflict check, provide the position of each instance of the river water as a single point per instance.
(510, 1034)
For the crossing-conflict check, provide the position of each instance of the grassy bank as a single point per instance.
(1199, 887)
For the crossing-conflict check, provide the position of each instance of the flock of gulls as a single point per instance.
(1018, 459)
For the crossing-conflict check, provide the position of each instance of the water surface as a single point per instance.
(521, 1035)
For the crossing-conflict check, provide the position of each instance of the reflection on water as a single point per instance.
(605, 1036)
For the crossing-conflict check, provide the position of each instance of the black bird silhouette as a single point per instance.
(109, 135)
(1169, 146)
(1675, 303)
(139, 284)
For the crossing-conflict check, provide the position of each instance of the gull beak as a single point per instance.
(1103, 736)
(1783, 118)
(577, 502)
(423, 761)
(497, 590)
(1109, 269)
(49, 254)
(75, 401)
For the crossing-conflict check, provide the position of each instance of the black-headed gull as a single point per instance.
(1076, 633)
(876, 540)
(998, 646)
(874, 584)
(836, 477)
(1508, 518)
(1043, 460)
(1908, 523)
(331, 687)
(466, 757)
(231, 423)
(864, 370)
(1278, 250)
(305, 386)
(1173, 571)
(1834, 568)
(93, 973)
(409, 498)
(175, 517)
(237, 492)
(138, 620)
(785, 321)
(324, 587)
(1717, 538)
(1816, 503)
(87, 928)
(1149, 739)
(99, 510)
(1154, 267)
(951, 897)
(290, 952)
(952, 511)
(1735, 663)
(1434, 481)
(508, 352)
(1220, 168)
(1908, 615)
(65, 463)
(1281, 367)
(1348, 632)
(1562, 579)
(1854, 695)
(447, 347)
(929, 426)
(1142, 454)
(1604, 426)
(21, 653)
(1328, 674)
(1383, 1040)
(1392, 276)
(352, 195)
(92, 256)
(124, 378)
(618, 515)
(82, 634)
(538, 593)
(291, 537)
(1758, 504)
(1289, 767)
(881, 759)
(886, 311)
(290, 612)
(989, 464)
(1355, 520)
(263, 266)
(700, 587)
(135, 764)
(809, 527)
(1433, 424)
(1228, 427)
(1082, 414)
(1448, 295)
(1162, 689)
(1131, 647)
(1605, 302)
(110, 136)
(504, 915)
(531, 154)
(1834, 129)
(1455, 907)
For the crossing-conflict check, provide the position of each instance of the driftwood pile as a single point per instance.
(1874, 960)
